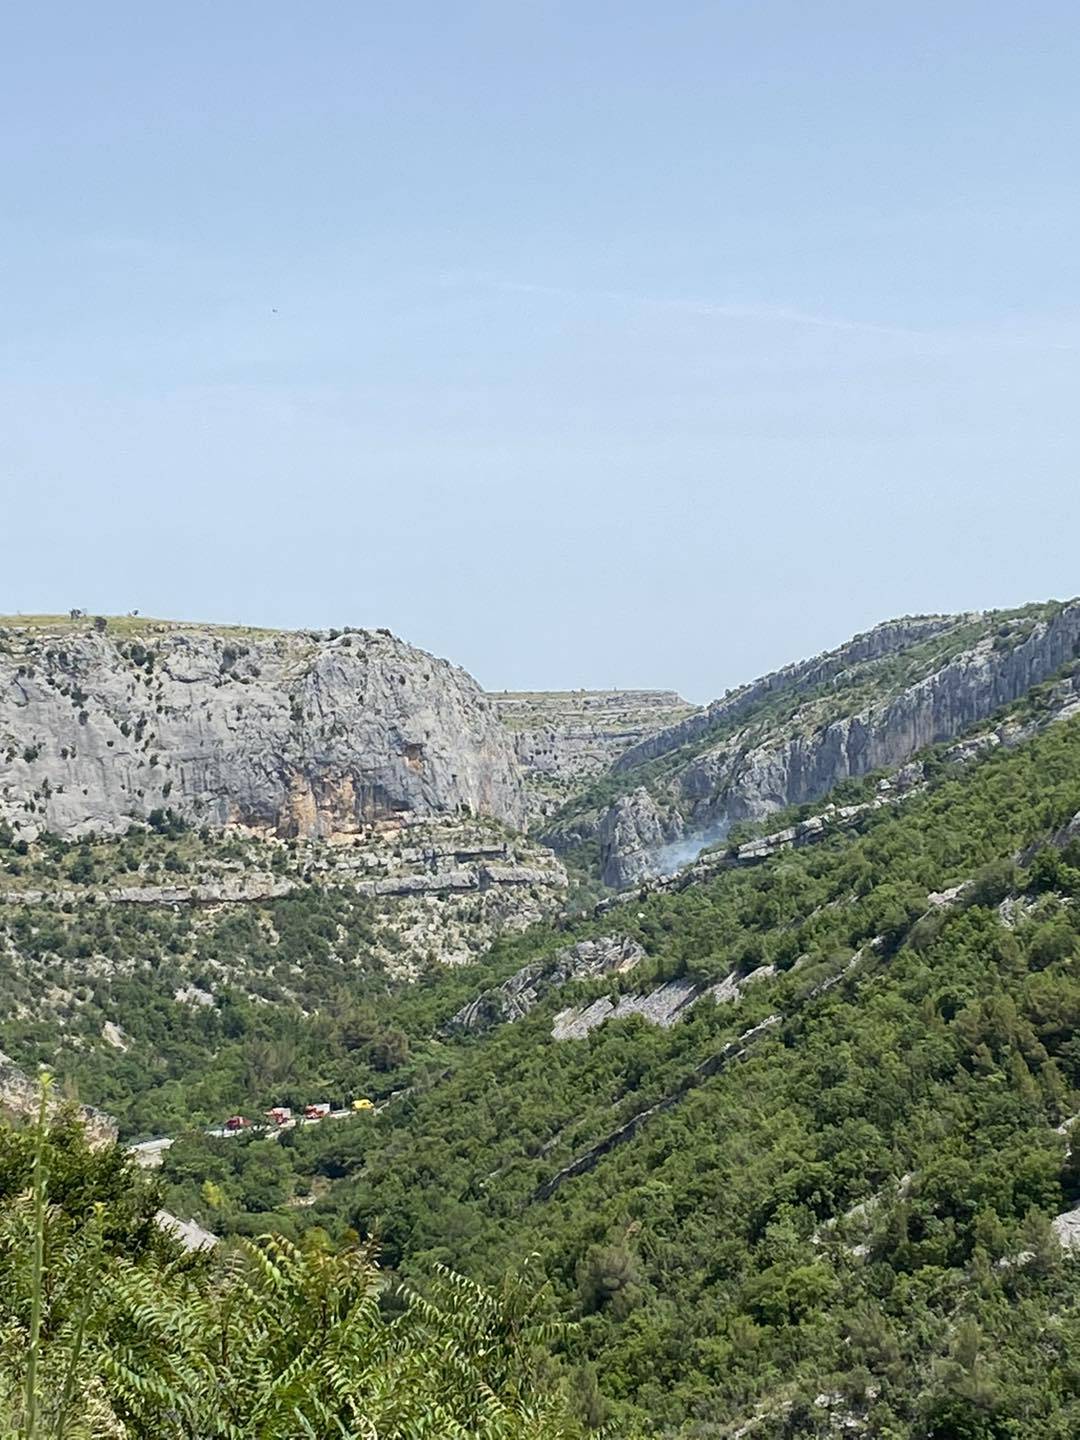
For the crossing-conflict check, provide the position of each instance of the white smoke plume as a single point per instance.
(666, 859)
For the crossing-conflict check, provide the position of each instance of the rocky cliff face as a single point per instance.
(515, 997)
(291, 734)
(20, 1099)
(565, 738)
(633, 834)
(887, 639)
(762, 768)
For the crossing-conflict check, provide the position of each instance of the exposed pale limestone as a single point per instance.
(191, 1235)
(515, 997)
(664, 1005)
(565, 738)
(290, 734)
(1067, 1229)
(751, 773)
(883, 640)
(20, 1097)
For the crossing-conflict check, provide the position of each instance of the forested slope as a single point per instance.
(815, 1204)
(923, 1066)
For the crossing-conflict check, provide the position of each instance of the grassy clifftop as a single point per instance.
(122, 625)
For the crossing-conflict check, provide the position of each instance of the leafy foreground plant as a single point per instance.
(272, 1341)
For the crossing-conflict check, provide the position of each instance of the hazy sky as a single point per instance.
(607, 342)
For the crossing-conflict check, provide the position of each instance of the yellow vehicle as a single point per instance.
(364, 1104)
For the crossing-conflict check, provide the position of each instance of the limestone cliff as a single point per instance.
(309, 734)
(20, 1099)
(867, 707)
(887, 639)
(632, 834)
(565, 738)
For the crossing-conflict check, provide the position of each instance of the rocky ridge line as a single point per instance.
(886, 639)
(747, 777)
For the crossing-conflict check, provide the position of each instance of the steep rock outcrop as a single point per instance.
(801, 767)
(885, 639)
(293, 734)
(515, 997)
(761, 768)
(632, 834)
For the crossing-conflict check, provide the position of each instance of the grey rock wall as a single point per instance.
(291, 734)
(748, 776)
(886, 639)
(801, 767)
(515, 997)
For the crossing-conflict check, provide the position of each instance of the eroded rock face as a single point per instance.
(753, 782)
(631, 835)
(514, 998)
(886, 639)
(662, 1006)
(765, 767)
(291, 734)
(20, 1099)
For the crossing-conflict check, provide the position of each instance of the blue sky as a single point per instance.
(585, 343)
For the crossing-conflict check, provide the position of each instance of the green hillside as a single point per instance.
(709, 1256)
(911, 1051)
